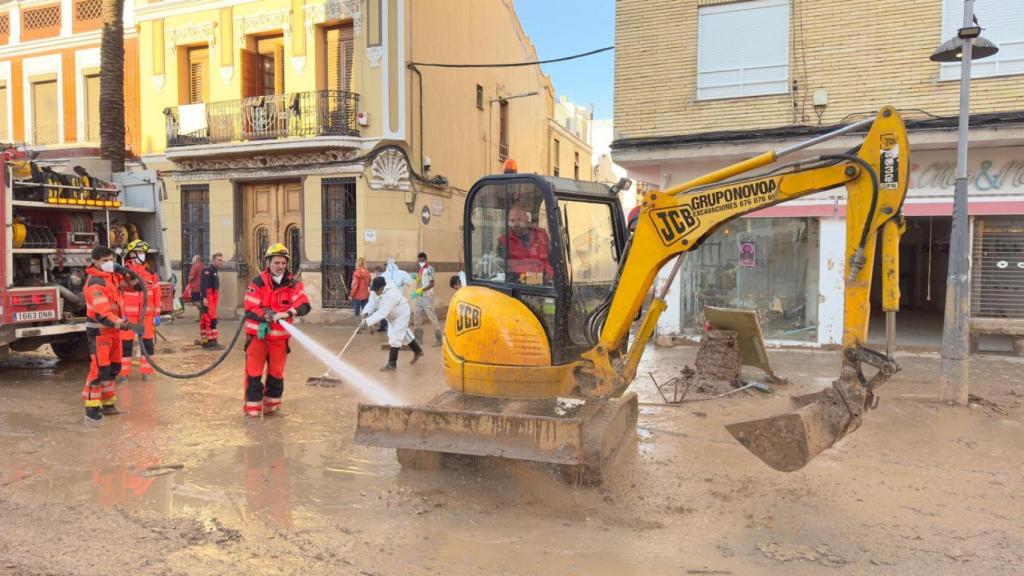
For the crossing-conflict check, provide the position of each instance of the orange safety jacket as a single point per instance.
(133, 298)
(288, 296)
(104, 306)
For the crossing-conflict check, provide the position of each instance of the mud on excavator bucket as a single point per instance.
(583, 437)
(787, 442)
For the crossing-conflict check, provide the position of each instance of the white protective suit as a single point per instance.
(393, 307)
(396, 276)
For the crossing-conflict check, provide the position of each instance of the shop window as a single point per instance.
(769, 265)
(997, 268)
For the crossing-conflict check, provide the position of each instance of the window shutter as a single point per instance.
(338, 52)
(198, 62)
(1002, 22)
(743, 49)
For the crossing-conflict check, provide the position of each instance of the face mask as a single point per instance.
(107, 266)
(422, 262)
(140, 256)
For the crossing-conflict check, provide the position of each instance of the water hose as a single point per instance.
(153, 362)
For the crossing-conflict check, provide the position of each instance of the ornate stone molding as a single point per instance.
(259, 161)
(264, 22)
(390, 171)
(333, 10)
(191, 34)
(374, 54)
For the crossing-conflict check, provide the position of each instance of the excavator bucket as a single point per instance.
(787, 442)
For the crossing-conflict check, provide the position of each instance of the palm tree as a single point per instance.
(112, 84)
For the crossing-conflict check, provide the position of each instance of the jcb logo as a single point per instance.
(467, 318)
(889, 162)
(674, 223)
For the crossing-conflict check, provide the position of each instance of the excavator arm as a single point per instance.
(674, 221)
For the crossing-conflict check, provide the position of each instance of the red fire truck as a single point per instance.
(51, 217)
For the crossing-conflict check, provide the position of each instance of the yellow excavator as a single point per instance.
(537, 349)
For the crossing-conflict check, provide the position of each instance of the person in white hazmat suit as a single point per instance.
(392, 306)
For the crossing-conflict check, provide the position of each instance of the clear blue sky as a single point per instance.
(564, 27)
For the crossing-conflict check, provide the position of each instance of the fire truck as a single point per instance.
(52, 217)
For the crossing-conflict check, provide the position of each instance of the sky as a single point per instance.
(565, 27)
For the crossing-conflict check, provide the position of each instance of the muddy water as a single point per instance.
(181, 484)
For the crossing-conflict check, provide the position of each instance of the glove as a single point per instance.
(362, 324)
(261, 332)
(281, 316)
(268, 315)
(417, 293)
(156, 321)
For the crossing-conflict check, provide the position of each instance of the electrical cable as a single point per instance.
(514, 64)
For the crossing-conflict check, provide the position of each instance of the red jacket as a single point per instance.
(528, 253)
(103, 303)
(361, 284)
(133, 299)
(195, 277)
(288, 296)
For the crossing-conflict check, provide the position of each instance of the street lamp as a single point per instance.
(490, 119)
(966, 46)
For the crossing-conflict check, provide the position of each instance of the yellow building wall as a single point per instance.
(865, 53)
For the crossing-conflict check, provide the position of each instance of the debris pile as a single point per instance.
(717, 367)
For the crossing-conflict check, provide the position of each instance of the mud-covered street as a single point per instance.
(182, 484)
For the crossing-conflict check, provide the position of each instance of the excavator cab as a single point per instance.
(552, 244)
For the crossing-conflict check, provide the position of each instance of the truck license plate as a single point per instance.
(35, 315)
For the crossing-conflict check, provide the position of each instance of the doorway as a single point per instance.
(273, 213)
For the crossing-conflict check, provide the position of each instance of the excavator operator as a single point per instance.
(528, 261)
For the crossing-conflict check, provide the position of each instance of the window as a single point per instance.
(45, 119)
(338, 220)
(557, 150)
(195, 222)
(743, 49)
(5, 28)
(91, 122)
(294, 238)
(5, 134)
(502, 130)
(576, 165)
(765, 264)
(1002, 22)
(338, 48)
(593, 261)
(198, 76)
(42, 22)
(479, 97)
(509, 240)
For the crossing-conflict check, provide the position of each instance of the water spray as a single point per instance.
(350, 375)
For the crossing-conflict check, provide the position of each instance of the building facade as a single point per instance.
(327, 125)
(50, 77)
(749, 76)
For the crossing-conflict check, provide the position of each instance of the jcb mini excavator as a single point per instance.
(537, 349)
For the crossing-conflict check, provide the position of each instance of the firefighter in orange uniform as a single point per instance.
(136, 262)
(105, 313)
(273, 298)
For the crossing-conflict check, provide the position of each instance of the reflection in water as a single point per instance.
(267, 489)
(127, 483)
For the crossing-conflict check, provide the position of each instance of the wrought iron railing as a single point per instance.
(296, 115)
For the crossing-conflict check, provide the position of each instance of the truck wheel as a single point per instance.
(74, 350)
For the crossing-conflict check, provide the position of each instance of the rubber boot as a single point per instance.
(111, 410)
(437, 337)
(93, 415)
(392, 360)
(416, 350)
(213, 345)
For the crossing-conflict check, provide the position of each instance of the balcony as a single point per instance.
(296, 115)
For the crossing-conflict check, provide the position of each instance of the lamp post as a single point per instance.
(953, 373)
(490, 116)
